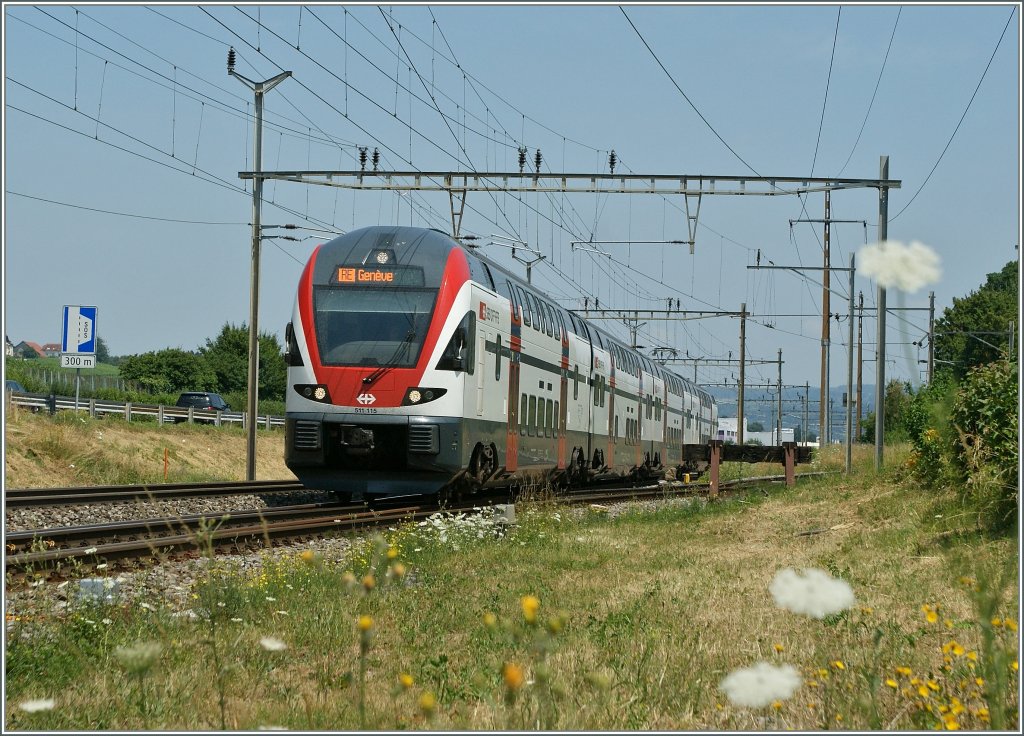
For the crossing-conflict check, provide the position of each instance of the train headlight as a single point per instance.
(420, 395)
(314, 392)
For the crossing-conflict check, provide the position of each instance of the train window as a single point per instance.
(513, 299)
(616, 430)
(522, 416)
(551, 321)
(548, 416)
(531, 427)
(527, 317)
(535, 312)
(575, 382)
(558, 420)
(603, 389)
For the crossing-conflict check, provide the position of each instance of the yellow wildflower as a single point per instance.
(490, 620)
(823, 673)
(838, 664)
(973, 656)
(950, 721)
(892, 683)
(398, 570)
(365, 623)
(512, 674)
(957, 708)
(958, 650)
(996, 621)
(530, 605)
(903, 671)
(979, 682)
(369, 582)
(931, 617)
(1010, 624)
(932, 685)
(777, 705)
(948, 623)
(405, 680)
(308, 556)
(1013, 665)
(922, 691)
(915, 681)
(943, 709)
(867, 610)
(778, 648)
(392, 553)
(839, 718)
(983, 714)
(427, 704)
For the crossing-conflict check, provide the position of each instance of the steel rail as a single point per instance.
(53, 536)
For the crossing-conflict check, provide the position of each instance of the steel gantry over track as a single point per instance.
(459, 183)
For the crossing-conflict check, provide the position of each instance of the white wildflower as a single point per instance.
(814, 593)
(282, 613)
(271, 598)
(106, 621)
(101, 566)
(138, 657)
(237, 620)
(34, 706)
(760, 685)
(272, 645)
(147, 606)
(893, 264)
(90, 551)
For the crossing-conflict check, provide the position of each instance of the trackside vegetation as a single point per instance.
(671, 616)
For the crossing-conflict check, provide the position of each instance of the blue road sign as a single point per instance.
(79, 333)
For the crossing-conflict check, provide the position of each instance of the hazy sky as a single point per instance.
(128, 110)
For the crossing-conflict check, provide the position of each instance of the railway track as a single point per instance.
(56, 548)
(24, 497)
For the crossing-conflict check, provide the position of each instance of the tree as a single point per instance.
(169, 370)
(102, 352)
(755, 427)
(960, 342)
(228, 357)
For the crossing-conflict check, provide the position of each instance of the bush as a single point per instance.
(926, 422)
(985, 420)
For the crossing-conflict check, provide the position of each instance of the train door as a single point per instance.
(515, 348)
(600, 428)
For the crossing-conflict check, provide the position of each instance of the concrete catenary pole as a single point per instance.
(883, 235)
(860, 358)
(931, 336)
(743, 373)
(825, 327)
(778, 424)
(849, 375)
(259, 88)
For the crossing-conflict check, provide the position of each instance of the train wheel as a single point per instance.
(484, 462)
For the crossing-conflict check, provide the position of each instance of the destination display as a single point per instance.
(379, 275)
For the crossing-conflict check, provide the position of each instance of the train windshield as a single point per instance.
(371, 327)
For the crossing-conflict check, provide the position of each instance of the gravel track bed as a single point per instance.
(44, 517)
(167, 584)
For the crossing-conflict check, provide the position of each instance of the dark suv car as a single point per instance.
(202, 402)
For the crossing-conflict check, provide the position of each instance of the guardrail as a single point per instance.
(52, 403)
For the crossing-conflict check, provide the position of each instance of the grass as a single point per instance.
(638, 619)
(70, 449)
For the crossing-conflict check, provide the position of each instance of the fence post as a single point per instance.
(51, 402)
(127, 411)
(160, 414)
(268, 421)
(216, 421)
(789, 448)
(92, 408)
(716, 459)
(191, 414)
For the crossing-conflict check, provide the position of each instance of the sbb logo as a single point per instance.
(488, 314)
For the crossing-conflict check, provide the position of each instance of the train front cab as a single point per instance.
(377, 353)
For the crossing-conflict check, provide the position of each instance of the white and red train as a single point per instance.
(417, 365)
